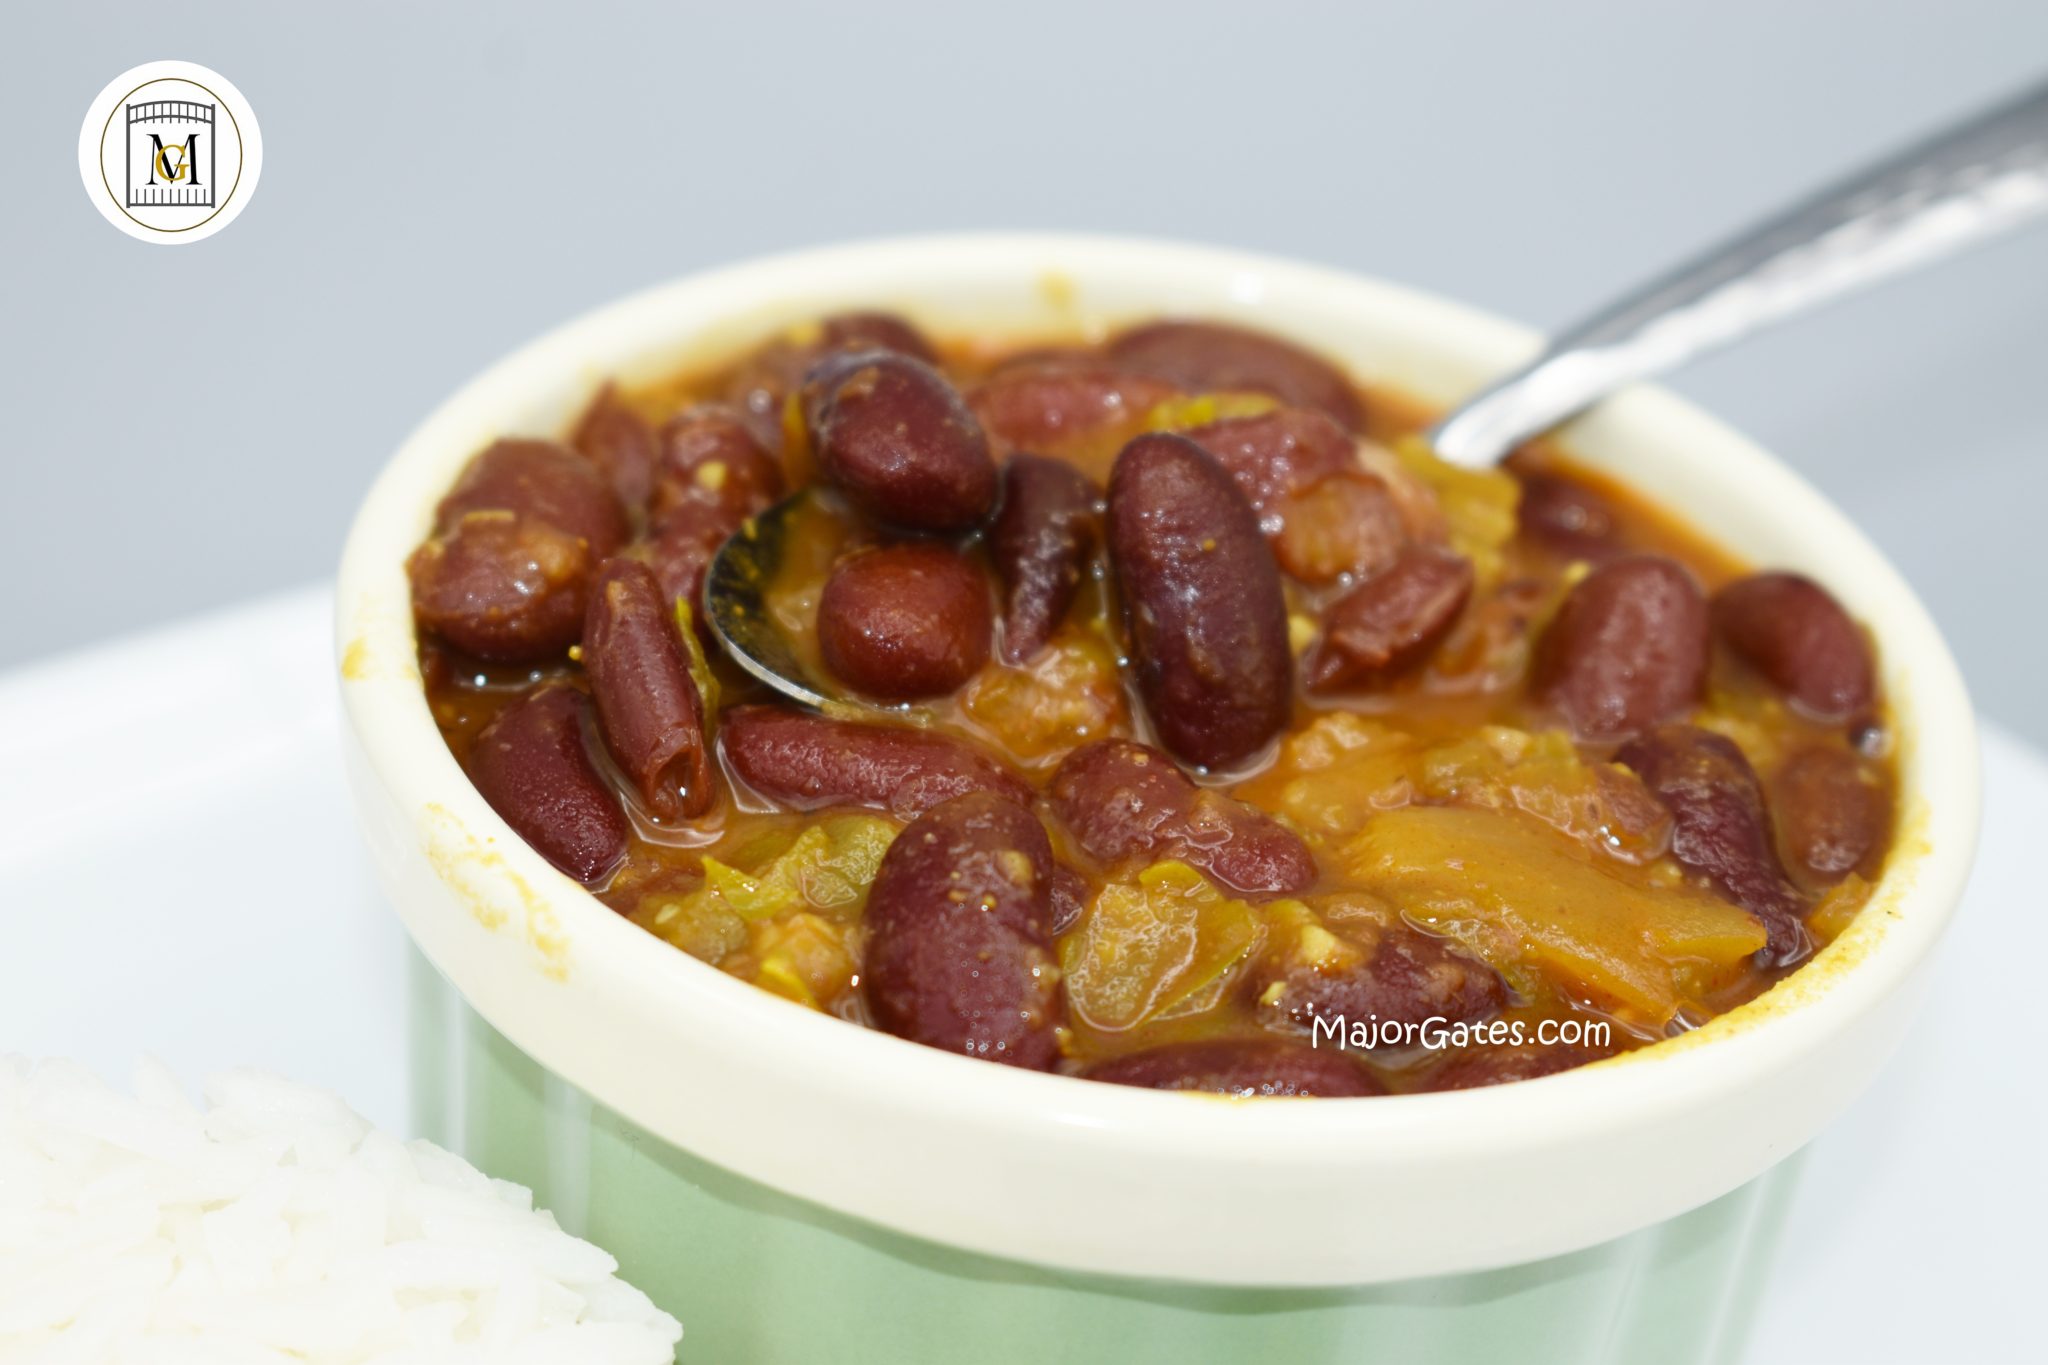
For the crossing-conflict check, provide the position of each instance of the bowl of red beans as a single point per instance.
(1228, 885)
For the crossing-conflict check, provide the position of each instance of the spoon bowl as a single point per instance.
(735, 600)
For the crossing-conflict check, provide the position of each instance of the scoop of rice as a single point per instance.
(274, 1225)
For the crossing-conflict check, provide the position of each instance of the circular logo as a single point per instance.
(170, 152)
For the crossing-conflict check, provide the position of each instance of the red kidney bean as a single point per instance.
(1032, 406)
(1790, 630)
(1244, 1067)
(766, 380)
(620, 443)
(542, 481)
(1567, 518)
(1347, 524)
(501, 586)
(533, 767)
(1399, 975)
(1390, 623)
(1720, 829)
(1626, 650)
(1074, 353)
(708, 454)
(1202, 596)
(1040, 542)
(648, 707)
(1833, 812)
(1123, 799)
(712, 475)
(1213, 356)
(905, 622)
(679, 547)
(873, 330)
(1278, 453)
(804, 761)
(1478, 1066)
(896, 438)
(959, 953)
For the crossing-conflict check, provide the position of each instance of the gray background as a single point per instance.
(440, 184)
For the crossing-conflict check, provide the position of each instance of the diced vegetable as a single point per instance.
(700, 667)
(828, 868)
(1526, 898)
(1603, 806)
(1199, 410)
(1332, 775)
(1065, 697)
(1838, 907)
(1478, 505)
(1162, 946)
(1489, 649)
(804, 957)
(705, 927)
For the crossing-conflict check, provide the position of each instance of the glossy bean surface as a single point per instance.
(1126, 800)
(1027, 407)
(807, 761)
(1389, 624)
(897, 439)
(679, 547)
(1202, 598)
(762, 385)
(1720, 827)
(959, 950)
(868, 329)
(1277, 454)
(533, 765)
(1793, 632)
(649, 708)
(905, 622)
(709, 454)
(1041, 543)
(1834, 813)
(618, 440)
(1627, 650)
(1204, 356)
(1567, 517)
(501, 586)
(545, 482)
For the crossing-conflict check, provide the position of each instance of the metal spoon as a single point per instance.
(1961, 186)
(735, 588)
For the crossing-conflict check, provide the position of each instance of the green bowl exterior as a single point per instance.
(759, 1276)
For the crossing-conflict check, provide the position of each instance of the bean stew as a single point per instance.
(1221, 738)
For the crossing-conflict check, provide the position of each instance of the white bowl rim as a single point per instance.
(1078, 1124)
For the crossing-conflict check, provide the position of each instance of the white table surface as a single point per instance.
(180, 875)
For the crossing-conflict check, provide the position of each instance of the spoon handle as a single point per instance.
(1958, 187)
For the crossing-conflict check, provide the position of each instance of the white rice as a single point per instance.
(274, 1225)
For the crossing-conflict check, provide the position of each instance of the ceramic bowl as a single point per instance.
(726, 1142)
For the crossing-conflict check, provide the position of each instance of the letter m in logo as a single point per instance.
(170, 154)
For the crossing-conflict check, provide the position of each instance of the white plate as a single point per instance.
(180, 875)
